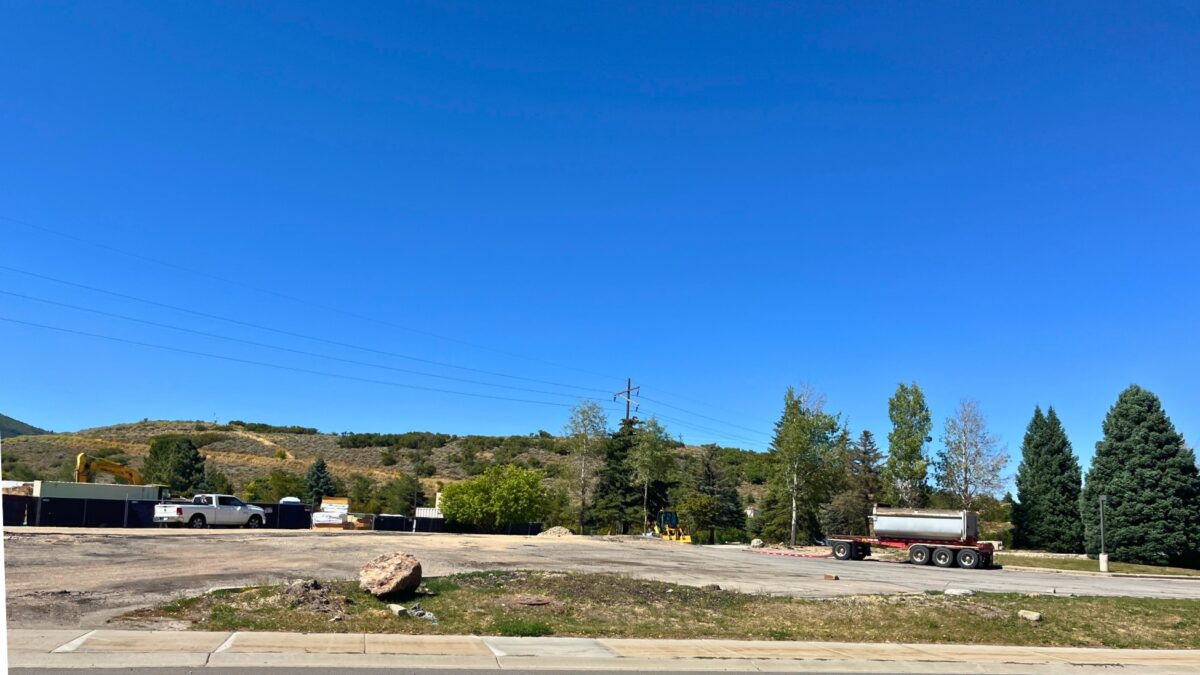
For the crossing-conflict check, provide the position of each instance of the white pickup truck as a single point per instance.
(205, 510)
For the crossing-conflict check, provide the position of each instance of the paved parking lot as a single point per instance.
(80, 578)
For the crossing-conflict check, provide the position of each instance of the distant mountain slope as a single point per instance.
(10, 427)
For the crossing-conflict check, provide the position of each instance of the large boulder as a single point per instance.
(389, 574)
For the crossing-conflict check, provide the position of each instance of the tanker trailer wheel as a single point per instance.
(968, 558)
(841, 550)
(918, 555)
(943, 557)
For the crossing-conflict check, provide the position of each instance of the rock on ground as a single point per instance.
(959, 591)
(757, 543)
(390, 573)
(1029, 615)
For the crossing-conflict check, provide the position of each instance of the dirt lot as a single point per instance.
(82, 577)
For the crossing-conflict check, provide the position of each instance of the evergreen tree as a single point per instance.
(216, 482)
(318, 482)
(617, 500)
(1046, 514)
(906, 467)
(850, 510)
(175, 462)
(1149, 477)
(711, 499)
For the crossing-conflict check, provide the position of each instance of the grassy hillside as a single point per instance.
(244, 451)
(10, 427)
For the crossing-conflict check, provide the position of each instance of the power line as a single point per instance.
(696, 414)
(283, 349)
(281, 331)
(715, 432)
(279, 366)
(292, 298)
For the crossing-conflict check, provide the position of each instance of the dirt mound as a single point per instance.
(311, 596)
(557, 531)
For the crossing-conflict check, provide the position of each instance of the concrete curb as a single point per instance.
(148, 649)
(1085, 573)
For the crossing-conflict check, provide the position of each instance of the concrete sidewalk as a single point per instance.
(143, 649)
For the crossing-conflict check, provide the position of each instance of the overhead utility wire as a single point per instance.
(708, 430)
(696, 414)
(703, 404)
(293, 298)
(281, 331)
(283, 349)
(279, 366)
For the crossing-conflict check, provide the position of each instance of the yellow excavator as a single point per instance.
(667, 526)
(86, 469)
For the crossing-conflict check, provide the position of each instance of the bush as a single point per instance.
(412, 440)
(501, 496)
(387, 457)
(271, 428)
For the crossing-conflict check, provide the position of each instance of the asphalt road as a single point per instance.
(74, 577)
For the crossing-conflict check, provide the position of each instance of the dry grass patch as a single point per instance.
(603, 605)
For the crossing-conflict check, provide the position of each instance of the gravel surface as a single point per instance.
(68, 577)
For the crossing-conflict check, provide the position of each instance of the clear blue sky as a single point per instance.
(996, 202)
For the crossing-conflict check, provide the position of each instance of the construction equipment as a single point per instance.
(86, 469)
(667, 526)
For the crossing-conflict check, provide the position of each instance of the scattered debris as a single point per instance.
(557, 531)
(1029, 615)
(390, 573)
(335, 617)
(417, 613)
(959, 591)
(831, 577)
(711, 587)
(756, 543)
(397, 609)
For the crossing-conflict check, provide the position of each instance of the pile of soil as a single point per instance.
(311, 596)
(557, 531)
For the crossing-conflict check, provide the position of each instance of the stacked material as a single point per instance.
(333, 514)
(556, 531)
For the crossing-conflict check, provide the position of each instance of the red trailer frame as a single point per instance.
(968, 554)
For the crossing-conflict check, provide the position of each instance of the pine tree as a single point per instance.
(710, 500)
(1150, 481)
(175, 462)
(906, 467)
(617, 500)
(850, 511)
(318, 482)
(1046, 514)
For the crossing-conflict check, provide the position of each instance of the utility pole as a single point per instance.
(627, 393)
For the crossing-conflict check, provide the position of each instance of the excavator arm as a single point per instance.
(86, 469)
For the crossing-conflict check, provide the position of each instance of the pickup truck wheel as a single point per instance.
(918, 555)
(197, 522)
(943, 557)
(841, 550)
(968, 558)
(254, 523)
